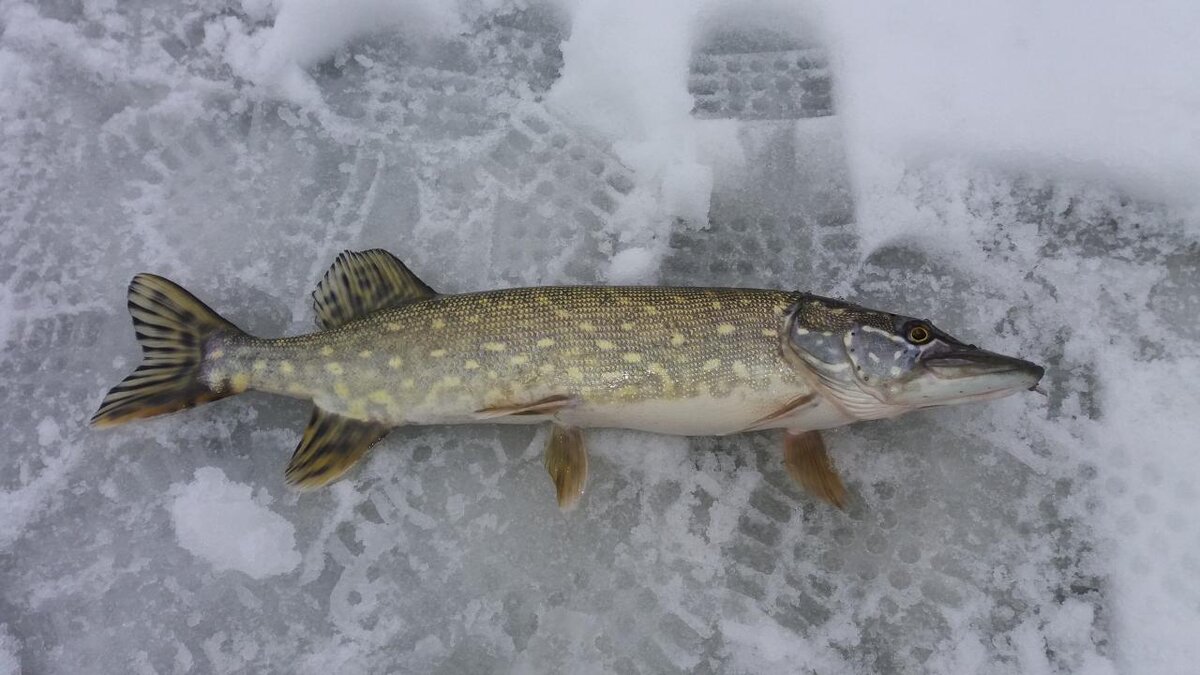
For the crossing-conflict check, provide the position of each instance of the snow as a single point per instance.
(218, 521)
(1096, 91)
(1022, 173)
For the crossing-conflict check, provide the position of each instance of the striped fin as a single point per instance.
(362, 282)
(330, 446)
(172, 327)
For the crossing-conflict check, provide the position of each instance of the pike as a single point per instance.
(684, 361)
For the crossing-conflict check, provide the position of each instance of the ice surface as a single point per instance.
(1021, 173)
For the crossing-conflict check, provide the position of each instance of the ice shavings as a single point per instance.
(218, 521)
(306, 31)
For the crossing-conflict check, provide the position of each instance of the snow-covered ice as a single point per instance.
(1023, 173)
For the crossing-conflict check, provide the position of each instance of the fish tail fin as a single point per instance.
(173, 328)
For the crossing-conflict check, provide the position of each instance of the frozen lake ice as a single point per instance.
(1024, 179)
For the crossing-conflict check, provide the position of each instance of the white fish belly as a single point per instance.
(704, 416)
(698, 416)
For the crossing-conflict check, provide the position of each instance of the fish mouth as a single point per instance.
(987, 372)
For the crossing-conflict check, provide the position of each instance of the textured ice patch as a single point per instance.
(9, 663)
(217, 519)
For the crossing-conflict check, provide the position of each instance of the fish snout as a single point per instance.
(979, 371)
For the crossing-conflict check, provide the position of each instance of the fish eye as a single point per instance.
(919, 334)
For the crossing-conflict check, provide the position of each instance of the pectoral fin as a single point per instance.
(809, 465)
(796, 404)
(545, 406)
(330, 446)
(567, 463)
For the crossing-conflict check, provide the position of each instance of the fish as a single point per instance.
(691, 361)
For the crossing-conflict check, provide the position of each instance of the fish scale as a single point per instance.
(442, 360)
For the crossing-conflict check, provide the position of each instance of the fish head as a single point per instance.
(880, 364)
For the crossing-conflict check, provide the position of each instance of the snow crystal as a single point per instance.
(218, 521)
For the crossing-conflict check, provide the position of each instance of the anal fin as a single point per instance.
(330, 446)
(808, 464)
(567, 463)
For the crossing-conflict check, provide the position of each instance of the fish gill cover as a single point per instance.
(1024, 178)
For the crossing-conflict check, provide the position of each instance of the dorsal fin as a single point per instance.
(361, 282)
